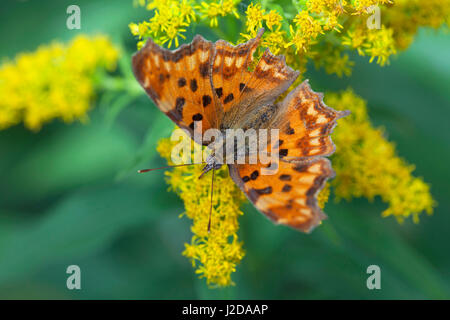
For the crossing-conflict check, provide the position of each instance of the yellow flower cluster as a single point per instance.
(315, 32)
(377, 43)
(399, 25)
(275, 38)
(321, 30)
(367, 166)
(211, 11)
(214, 254)
(56, 81)
(406, 16)
(171, 17)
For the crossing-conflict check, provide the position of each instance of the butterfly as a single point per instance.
(222, 86)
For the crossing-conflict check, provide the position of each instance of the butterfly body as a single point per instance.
(211, 164)
(205, 86)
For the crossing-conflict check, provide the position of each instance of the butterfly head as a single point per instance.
(211, 163)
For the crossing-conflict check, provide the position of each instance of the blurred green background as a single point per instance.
(70, 194)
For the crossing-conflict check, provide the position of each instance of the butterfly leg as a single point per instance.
(211, 163)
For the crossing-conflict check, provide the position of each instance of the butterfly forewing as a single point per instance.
(179, 81)
(243, 90)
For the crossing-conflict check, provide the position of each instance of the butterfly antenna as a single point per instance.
(211, 206)
(166, 167)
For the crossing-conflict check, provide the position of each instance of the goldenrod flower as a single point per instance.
(187, 11)
(355, 39)
(367, 165)
(322, 197)
(214, 254)
(229, 7)
(211, 11)
(273, 19)
(335, 61)
(361, 6)
(254, 18)
(172, 17)
(381, 45)
(406, 16)
(275, 41)
(55, 81)
(168, 23)
(308, 26)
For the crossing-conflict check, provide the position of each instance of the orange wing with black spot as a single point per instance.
(179, 82)
(305, 124)
(242, 90)
(287, 197)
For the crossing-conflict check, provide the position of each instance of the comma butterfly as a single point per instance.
(214, 83)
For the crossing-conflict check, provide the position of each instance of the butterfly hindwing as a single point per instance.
(289, 196)
(305, 124)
